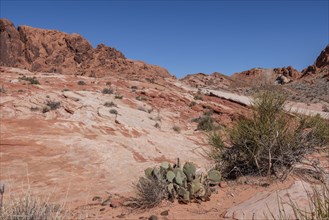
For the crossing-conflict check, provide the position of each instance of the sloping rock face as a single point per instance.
(53, 51)
(261, 76)
(201, 80)
(320, 66)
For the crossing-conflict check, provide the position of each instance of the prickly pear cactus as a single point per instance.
(183, 183)
(189, 170)
(214, 176)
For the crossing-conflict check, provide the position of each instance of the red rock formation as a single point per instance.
(54, 51)
(261, 76)
(320, 66)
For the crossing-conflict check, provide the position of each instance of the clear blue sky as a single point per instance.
(190, 36)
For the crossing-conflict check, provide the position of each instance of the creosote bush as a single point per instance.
(110, 104)
(205, 122)
(31, 80)
(176, 128)
(51, 105)
(114, 111)
(118, 96)
(81, 83)
(107, 91)
(270, 141)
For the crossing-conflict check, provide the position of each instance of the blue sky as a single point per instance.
(190, 36)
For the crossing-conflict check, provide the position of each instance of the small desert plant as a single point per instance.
(114, 111)
(150, 191)
(65, 90)
(134, 87)
(34, 109)
(108, 83)
(216, 141)
(176, 128)
(193, 103)
(51, 105)
(157, 125)
(141, 98)
(110, 104)
(198, 97)
(2, 89)
(205, 123)
(31, 80)
(142, 108)
(28, 207)
(270, 142)
(118, 96)
(173, 182)
(81, 83)
(107, 91)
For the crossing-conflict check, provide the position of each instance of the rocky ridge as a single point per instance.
(53, 51)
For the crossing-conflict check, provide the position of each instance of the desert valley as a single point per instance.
(80, 126)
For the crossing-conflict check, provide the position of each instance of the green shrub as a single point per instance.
(193, 103)
(110, 104)
(176, 128)
(51, 105)
(141, 98)
(270, 140)
(198, 97)
(215, 140)
(31, 80)
(118, 96)
(2, 89)
(205, 123)
(107, 91)
(81, 83)
(114, 111)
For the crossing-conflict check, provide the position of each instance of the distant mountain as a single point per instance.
(53, 51)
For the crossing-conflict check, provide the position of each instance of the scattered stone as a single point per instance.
(153, 217)
(165, 213)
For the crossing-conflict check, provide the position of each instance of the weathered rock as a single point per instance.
(264, 204)
(321, 65)
(41, 50)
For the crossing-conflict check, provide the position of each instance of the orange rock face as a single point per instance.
(320, 66)
(57, 52)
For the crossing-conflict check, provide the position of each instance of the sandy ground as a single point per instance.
(81, 150)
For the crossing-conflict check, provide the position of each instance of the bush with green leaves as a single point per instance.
(107, 91)
(51, 105)
(270, 141)
(81, 83)
(31, 80)
(110, 104)
(205, 122)
(170, 182)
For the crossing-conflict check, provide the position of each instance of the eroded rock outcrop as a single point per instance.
(320, 66)
(54, 51)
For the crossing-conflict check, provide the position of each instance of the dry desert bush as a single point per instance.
(271, 141)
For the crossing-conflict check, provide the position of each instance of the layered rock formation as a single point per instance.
(214, 81)
(261, 76)
(57, 52)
